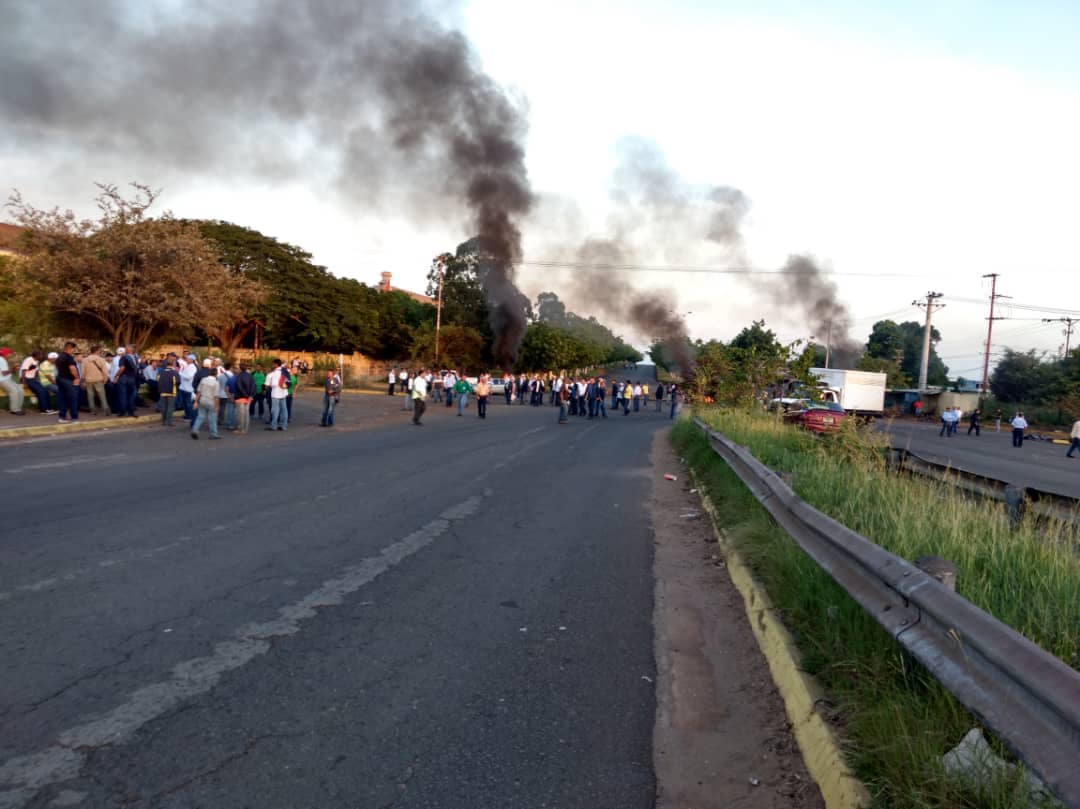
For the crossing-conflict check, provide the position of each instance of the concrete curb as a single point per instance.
(801, 693)
(76, 427)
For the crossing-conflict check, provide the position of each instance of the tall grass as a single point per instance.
(898, 718)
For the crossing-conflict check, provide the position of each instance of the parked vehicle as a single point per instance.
(818, 417)
(858, 392)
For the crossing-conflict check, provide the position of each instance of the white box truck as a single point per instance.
(860, 392)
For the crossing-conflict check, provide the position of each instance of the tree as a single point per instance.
(1024, 377)
(550, 310)
(460, 347)
(902, 344)
(133, 276)
(895, 377)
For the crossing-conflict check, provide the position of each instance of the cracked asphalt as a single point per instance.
(377, 615)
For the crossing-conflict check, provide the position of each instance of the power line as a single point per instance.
(675, 268)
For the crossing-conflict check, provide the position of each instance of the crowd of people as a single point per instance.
(213, 392)
(578, 396)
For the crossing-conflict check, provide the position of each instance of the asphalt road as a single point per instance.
(456, 615)
(1040, 464)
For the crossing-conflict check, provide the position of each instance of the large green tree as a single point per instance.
(127, 274)
(901, 345)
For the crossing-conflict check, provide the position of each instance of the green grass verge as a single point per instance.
(897, 720)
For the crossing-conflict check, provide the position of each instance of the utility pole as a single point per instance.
(828, 343)
(993, 276)
(441, 261)
(930, 307)
(1069, 323)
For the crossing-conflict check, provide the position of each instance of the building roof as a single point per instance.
(385, 286)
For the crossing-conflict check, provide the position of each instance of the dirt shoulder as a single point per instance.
(722, 738)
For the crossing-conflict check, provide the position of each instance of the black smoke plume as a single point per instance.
(373, 98)
(803, 286)
(656, 214)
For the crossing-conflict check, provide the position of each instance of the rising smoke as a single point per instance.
(659, 216)
(375, 96)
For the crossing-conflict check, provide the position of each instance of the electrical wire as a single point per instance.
(675, 268)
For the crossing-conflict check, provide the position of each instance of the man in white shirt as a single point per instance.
(279, 413)
(418, 395)
(1019, 424)
(391, 379)
(187, 387)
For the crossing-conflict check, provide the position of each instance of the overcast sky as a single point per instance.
(907, 147)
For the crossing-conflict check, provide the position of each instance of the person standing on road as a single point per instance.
(483, 390)
(186, 398)
(258, 399)
(126, 381)
(674, 394)
(168, 386)
(9, 385)
(67, 383)
(564, 401)
(418, 394)
(206, 404)
(331, 396)
(659, 396)
(1019, 424)
(279, 390)
(244, 389)
(974, 421)
(997, 418)
(627, 395)
(1075, 436)
(94, 376)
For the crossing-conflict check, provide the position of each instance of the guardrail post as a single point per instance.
(1016, 503)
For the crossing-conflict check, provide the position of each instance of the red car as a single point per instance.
(818, 417)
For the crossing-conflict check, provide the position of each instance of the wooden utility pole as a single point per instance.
(993, 276)
(930, 307)
(1069, 323)
(441, 261)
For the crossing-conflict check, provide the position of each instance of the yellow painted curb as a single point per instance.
(801, 693)
(76, 427)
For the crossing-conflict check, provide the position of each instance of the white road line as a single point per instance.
(27, 775)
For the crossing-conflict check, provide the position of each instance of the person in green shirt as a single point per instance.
(294, 383)
(260, 391)
(462, 389)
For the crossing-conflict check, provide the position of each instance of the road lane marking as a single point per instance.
(28, 774)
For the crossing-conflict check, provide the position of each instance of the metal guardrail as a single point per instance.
(1028, 697)
(1017, 498)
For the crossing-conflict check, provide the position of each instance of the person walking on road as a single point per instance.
(462, 389)
(1075, 436)
(331, 396)
(974, 421)
(206, 403)
(564, 401)
(418, 393)
(483, 390)
(673, 394)
(659, 396)
(168, 387)
(1019, 424)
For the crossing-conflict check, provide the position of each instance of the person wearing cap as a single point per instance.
(185, 397)
(47, 375)
(10, 386)
(127, 382)
(206, 403)
(67, 383)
